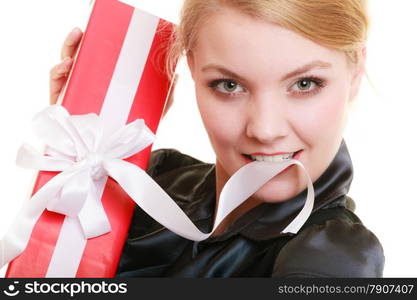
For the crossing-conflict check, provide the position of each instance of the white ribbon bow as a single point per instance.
(85, 154)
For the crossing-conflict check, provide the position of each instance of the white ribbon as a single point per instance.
(78, 147)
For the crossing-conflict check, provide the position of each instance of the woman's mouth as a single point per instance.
(272, 158)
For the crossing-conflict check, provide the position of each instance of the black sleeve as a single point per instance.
(165, 160)
(336, 248)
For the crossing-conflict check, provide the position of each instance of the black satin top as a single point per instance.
(332, 243)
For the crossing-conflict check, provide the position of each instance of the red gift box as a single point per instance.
(118, 74)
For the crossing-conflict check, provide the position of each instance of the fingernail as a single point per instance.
(66, 59)
(71, 36)
(63, 68)
(74, 30)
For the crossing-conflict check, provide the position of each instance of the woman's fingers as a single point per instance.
(71, 43)
(58, 74)
(61, 69)
(58, 77)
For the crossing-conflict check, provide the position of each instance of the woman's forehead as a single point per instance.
(242, 42)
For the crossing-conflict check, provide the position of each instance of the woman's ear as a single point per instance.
(358, 72)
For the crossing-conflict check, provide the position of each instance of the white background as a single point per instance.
(381, 134)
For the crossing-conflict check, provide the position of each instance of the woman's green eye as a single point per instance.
(304, 85)
(307, 86)
(229, 86)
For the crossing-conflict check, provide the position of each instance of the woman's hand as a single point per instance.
(58, 74)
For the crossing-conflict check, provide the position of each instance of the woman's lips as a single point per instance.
(296, 156)
(272, 154)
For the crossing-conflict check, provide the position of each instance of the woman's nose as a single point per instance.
(267, 120)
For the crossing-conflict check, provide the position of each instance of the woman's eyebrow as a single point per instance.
(303, 69)
(223, 70)
(307, 67)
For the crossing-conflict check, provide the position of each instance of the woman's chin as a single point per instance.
(277, 190)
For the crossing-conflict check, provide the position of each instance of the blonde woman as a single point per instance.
(274, 80)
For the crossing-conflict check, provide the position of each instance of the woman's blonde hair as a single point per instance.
(336, 24)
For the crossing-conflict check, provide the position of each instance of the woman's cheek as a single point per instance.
(220, 118)
(334, 113)
(322, 118)
(223, 124)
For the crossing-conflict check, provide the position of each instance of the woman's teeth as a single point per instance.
(273, 158)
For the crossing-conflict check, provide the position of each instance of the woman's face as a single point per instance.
(263, 90)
